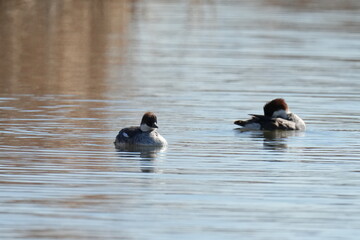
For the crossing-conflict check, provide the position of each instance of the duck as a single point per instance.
(144, 135)
(277, 116)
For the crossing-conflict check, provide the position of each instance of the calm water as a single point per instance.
(72, 73)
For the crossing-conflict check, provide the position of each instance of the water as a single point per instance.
(74, 72)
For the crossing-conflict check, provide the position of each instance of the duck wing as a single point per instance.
(262, 122)
(127, 134)
(284, 124)
(257, 122)
(268, 123)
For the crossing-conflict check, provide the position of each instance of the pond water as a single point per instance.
(73, 73)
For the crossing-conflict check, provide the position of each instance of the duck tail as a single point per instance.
(240, 122)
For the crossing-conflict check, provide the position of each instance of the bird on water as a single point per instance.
(277, 116)
(144, 135)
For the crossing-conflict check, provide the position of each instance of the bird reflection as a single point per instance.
(149, 156)
(273, 140)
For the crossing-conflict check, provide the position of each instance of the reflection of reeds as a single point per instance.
(59, 46)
